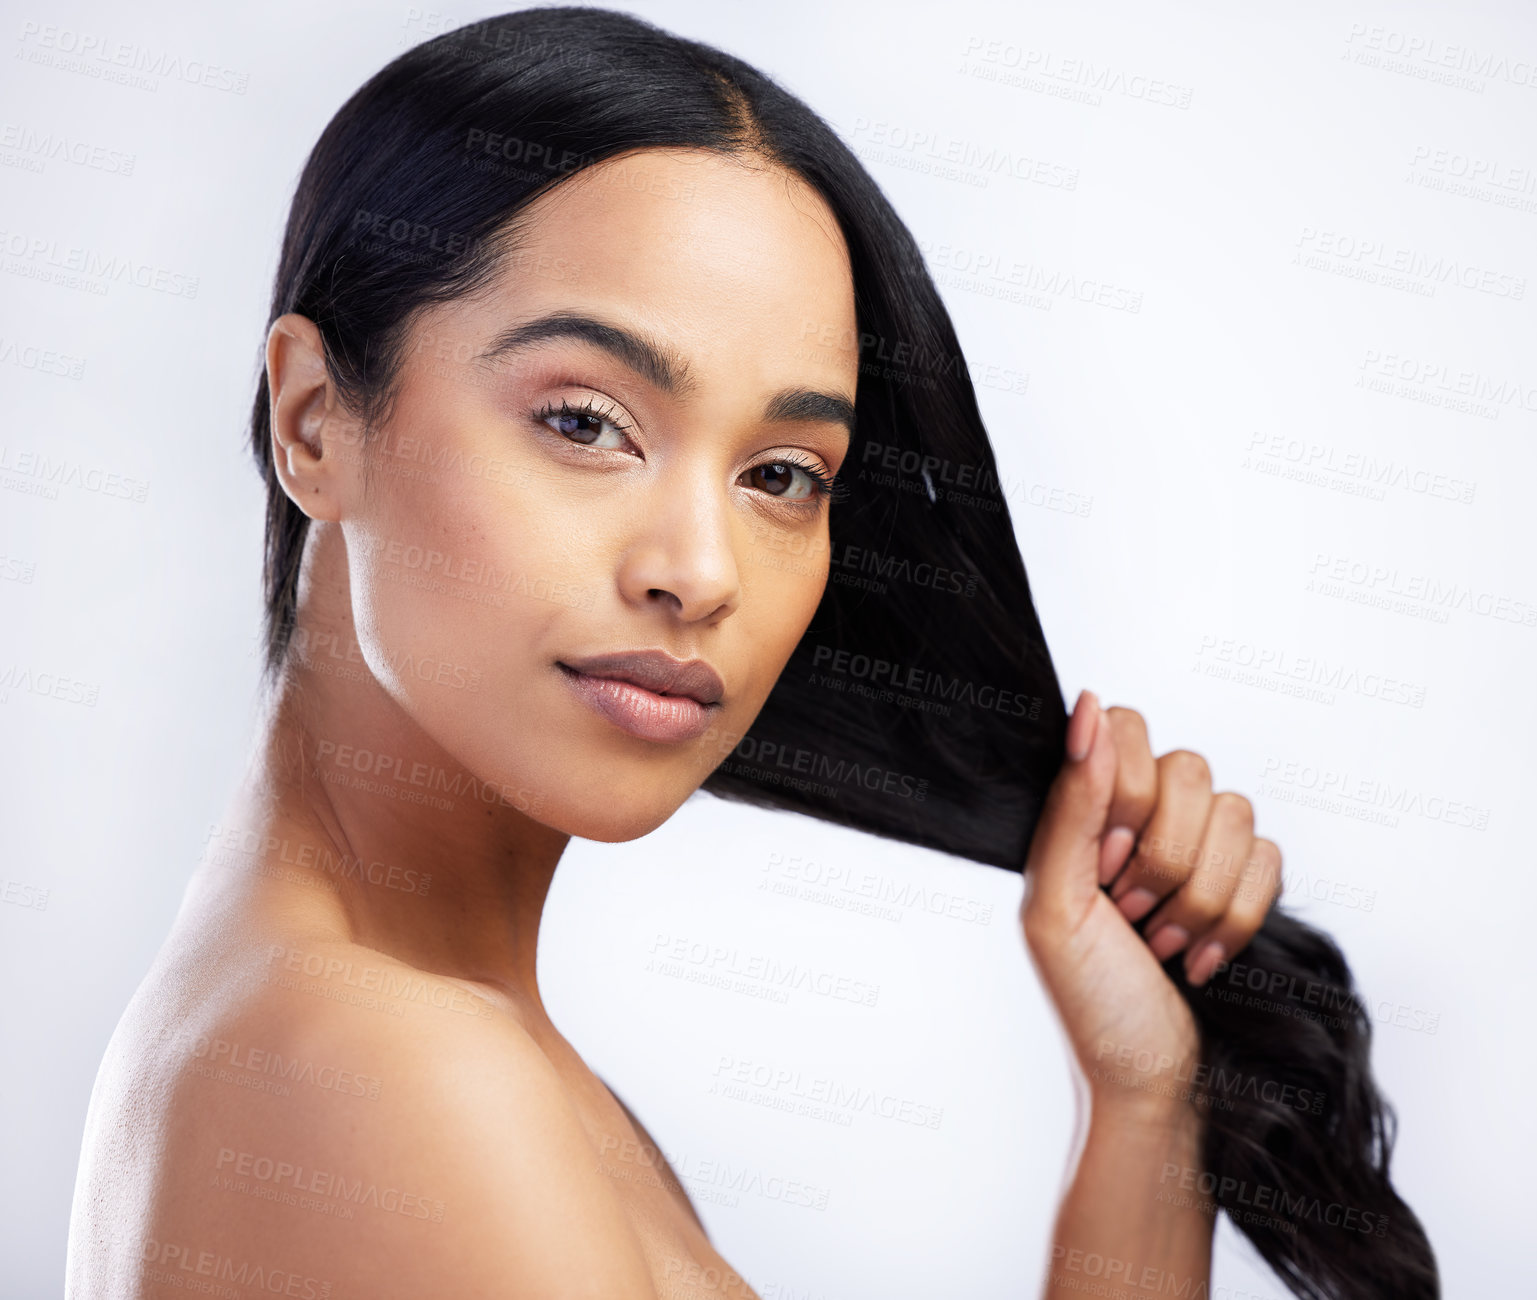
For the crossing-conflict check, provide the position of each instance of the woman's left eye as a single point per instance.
(789, 480)
(586, 425)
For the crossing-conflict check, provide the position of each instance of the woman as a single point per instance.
(598, 378)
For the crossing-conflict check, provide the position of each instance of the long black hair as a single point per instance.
(922, 703)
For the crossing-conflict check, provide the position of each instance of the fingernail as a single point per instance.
(1113, 850)
(1200, 964)
(1080, 729)
(1137, 903)
(1167, 940)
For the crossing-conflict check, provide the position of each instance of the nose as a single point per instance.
(682, 557)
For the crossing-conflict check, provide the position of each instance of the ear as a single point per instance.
(316, 442)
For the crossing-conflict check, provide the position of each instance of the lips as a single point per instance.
(648, 693)
(654, 671)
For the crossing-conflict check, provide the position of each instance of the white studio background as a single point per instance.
(1295, 421)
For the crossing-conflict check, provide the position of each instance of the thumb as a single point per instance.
(1062, 866)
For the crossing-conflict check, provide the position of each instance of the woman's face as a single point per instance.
(640, 473)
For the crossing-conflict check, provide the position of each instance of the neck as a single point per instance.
(416, 857)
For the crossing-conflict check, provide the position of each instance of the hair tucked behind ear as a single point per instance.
(412, 195)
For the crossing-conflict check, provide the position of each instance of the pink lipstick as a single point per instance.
(648, 693)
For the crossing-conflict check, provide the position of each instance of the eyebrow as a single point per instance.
(660, 366)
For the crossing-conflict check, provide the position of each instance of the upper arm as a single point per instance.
(460, 1167)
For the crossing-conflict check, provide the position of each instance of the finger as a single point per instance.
(1167, 851)
(1136, 790)
(1252, 901)
(1063, 858)
(1196, 906)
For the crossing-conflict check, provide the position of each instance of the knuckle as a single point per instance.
(1228, 869)
(1197, 911)
(1244, 918)
(1165, 858)
(1126, 720)
(1233, 809)
(1161, 875)
(1186, 767)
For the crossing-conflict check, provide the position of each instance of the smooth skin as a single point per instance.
(346, 1013)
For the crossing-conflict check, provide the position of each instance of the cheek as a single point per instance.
(782, 585)
(461, 585)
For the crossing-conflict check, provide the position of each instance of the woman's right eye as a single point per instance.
(586, 425)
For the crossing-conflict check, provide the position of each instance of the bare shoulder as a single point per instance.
(336, 1122)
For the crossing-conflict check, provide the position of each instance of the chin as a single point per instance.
(613, 821)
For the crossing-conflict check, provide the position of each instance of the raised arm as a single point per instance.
(1134, 1216)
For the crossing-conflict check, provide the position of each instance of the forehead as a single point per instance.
(739, 265)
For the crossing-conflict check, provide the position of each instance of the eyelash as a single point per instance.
(825, 486)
